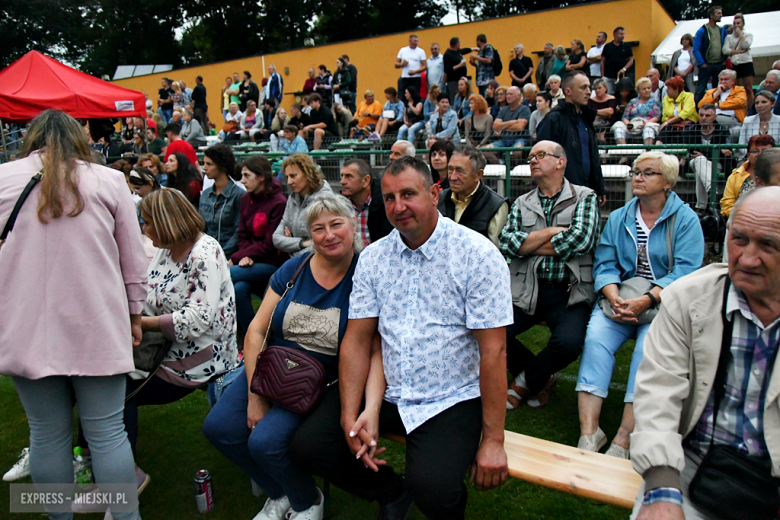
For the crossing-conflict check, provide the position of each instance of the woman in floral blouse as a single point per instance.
(190, 300)
(641, 116)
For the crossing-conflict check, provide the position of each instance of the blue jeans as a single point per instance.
(512, 142)
(410, 132)
(707, 74)
(48, 403)
(247, 281)
(167, 114)
(262, 452)
(603, 339)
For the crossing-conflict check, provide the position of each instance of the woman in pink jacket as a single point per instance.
(72, 280)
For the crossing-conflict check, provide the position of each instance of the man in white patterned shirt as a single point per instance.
(438, 293)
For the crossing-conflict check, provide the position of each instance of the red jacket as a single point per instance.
(260, 216)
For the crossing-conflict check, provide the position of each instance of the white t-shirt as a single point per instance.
(435, 71)
(595, 68)
(684, 61)
(413, 57)
(723, 97)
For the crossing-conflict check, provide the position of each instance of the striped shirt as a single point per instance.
(740, 421)
(642, 233)
(579, 239)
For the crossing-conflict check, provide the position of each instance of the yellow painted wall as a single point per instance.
(645, 21)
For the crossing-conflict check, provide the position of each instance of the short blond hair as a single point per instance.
(173, 216)
(670, 165)
(305, 163)
(641, 82)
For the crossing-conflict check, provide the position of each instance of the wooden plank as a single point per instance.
(566, 468)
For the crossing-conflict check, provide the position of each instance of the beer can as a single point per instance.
(204, 492)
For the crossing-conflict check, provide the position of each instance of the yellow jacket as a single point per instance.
(686, 107)
(733, 185)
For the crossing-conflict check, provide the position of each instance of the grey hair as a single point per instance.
(670, 165)
(599, 82)
(774, 73)
(560, 50)
(728, 72)
(553, 78)
(409, 150)
(332, 204)
(189, 112)
(529, 86)
(474, 155)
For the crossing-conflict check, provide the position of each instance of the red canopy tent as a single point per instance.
(35, 82)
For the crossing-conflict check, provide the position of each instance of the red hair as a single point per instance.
(677, 83)
(761, 140)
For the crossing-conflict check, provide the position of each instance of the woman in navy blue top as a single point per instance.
(249, 430)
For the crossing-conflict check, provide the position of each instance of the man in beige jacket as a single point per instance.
(673, 401)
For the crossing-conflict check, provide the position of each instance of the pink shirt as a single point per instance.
(67, 287)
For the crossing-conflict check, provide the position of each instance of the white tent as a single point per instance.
(765, 28)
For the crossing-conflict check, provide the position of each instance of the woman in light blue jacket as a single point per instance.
(636, 242)
(443, 123)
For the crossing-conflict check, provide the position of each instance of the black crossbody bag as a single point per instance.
(729, 484)
(9, 226)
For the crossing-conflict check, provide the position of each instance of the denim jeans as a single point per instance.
(262, 452)
(48, 403)
(707, 74)
(603, 339)
(410, 132)
(247, 281)
(167, 114)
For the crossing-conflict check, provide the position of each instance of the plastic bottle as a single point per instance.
(81, 469)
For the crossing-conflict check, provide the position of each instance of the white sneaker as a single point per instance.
(274, 509)
(315, 512)
(21, 469)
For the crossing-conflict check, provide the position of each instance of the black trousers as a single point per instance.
(438, 455)
(567, 325)
(408, 82)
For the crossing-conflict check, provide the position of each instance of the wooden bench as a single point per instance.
(568, 469)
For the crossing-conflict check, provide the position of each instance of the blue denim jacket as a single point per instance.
(449, 123)
(221, 214)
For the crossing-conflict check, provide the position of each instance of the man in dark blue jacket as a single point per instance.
(708, 51)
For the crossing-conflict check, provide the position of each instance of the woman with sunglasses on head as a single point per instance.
(635, 243)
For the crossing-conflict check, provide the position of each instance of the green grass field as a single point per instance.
(171, 449)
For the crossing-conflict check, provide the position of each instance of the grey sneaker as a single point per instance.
(593, 442)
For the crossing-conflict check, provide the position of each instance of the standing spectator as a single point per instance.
(736, 46)
(310, 83)
(510, 124)
(248, 91)
(365, 194)
(554, 88)
(641, 116)
(368, 113)
(478, 126)
(435, 67)
(743, 180)
(226, 96)
(708, 51)
(443, 125)
(184, 177)
(177, 96)
(324, 86)
(500, 102)
(177, 144)
(165, 101)
(305, 180)
(550, 237)
(730, 100)
(484, 63)
(256, 259)
(341, 83)
(559, 65)
(594, 56)
(521, 67)
(234, 90)
(413, 118)
(275, 87)
(219, 205)
(454, 68)
(186, 93)
(570, 124)
(352, 84)
(78, 210)
(199, 105)
(543, 107)
(388, 121)
(411, 61)
(679, 111)
(617, 59)
(251, 122)
(683, 63)
(544, 69)
(604, 105)
(461, 104)
(706, 131)
(578, 60)
(635, 243)
(658, 86)
(764, 122)
(321, 122)
(468, 201)
(687, 401)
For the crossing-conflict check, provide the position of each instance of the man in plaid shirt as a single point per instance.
(550, 237)
(358, 186)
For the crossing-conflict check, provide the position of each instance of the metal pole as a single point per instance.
(5, 147)
(714, 180)
(508, 178)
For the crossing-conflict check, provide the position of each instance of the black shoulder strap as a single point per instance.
(9, 226)
(299, 271)
(719, 386)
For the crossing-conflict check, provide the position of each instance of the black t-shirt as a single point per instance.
(576, 58)
(199, 97)
(324, 115)
(520, 68)
(353, 74)
(301, 121)
(615, 58)
(452, 58)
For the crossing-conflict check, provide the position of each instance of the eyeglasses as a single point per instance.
(539, 156)
(645, 174)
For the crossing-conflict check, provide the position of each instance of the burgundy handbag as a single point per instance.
(288, 376)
